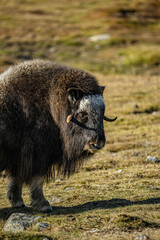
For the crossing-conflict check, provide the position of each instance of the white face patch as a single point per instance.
(90, 102)
(92, 132)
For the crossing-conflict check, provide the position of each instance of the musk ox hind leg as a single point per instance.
(38, 201)
(14, 193)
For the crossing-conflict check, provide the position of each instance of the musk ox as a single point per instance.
(51, 119)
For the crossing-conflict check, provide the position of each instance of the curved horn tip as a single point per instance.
(69, 118)
(109, 119)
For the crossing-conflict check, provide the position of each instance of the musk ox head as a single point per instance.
(87, 118)
(83, 126)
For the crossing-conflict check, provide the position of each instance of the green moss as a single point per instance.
(140, 56)
(70, 41)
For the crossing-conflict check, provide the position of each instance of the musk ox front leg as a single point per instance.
(14, 193)
(38, 201)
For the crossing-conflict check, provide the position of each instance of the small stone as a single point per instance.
(119, 171)
(59, 180)
(152, 159)
(100, 37)
(155, 113)
(43, 225)
(68, 189)
(56, 200)
(142, 237)
(154, 188)
(52, 50)
(19, 222)
(94, 231)
(45, 238)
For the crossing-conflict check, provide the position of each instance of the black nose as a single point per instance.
(99, 145)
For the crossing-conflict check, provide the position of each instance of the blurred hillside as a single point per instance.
(61, 31)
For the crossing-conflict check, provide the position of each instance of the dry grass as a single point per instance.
(117, 193)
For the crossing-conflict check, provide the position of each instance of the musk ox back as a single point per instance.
(51, 119)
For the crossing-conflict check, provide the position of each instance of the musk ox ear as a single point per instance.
(74, 95)
(102, 89)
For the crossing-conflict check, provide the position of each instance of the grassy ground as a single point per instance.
(117, 193)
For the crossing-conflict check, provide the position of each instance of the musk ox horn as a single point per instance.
(109, 119)
(69, 118)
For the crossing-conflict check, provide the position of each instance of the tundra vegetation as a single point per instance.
(117, 193)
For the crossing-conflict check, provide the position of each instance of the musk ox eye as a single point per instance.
(82, 117)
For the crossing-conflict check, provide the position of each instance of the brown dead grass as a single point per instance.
(116, 194)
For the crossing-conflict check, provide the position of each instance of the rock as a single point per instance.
(152, 159)
(155, 113)
(59, 180)
(142, 237)
(42, 225)
(119, 171)
(19, 222)
(100, 37)
(68, 189)
(52, 50)
(56, 200)
(94, 231)
(154, 188)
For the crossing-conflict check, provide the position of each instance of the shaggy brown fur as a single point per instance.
(36, 97)
(33, 108)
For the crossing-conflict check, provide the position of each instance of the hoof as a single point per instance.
(46, 209)
(41, 206)
(18, 205)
